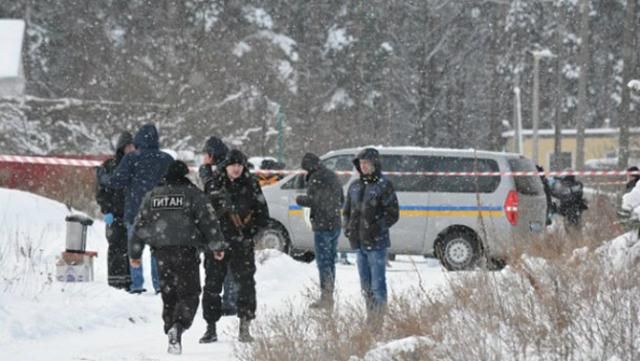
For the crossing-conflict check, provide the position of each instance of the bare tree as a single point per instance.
(625, 114)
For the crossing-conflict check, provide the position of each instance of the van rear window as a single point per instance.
(530, 185)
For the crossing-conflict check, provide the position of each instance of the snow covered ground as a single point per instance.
(42, 319)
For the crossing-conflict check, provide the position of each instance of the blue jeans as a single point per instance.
(326, 243)
(372, 267)
(137, 277)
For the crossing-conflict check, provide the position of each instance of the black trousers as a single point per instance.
(117, 259)
(240, 260)
(179, 271)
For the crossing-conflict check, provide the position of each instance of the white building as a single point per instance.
(12, 79)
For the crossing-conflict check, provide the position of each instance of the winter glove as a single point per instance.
(108, 218)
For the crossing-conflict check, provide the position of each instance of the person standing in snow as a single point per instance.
(137, 174)
(214, 152)
(370, 210)
(111, 202)
(177, 221)
(572, 203)
(242, 210)
(632, 179)
(325, 198)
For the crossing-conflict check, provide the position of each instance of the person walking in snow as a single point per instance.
(325, 198)
(177, 221)
(137, 173)
(111, 202)
(242, 208)
(370, 210)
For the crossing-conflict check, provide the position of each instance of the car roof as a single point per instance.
(424, 151)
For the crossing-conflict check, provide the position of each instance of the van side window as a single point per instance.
(406, 163)
(463, 184)
(336, 163)
(447, 184)
(341, 163)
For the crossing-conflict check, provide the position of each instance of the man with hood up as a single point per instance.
(193, 227)
(111, 202)
(370, 210)
(137, 174)
(243, 212)
(325, 198)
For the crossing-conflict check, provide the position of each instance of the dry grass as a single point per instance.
(557, 300)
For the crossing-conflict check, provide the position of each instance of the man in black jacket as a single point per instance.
(370, 210)
(242, 208)
(111, 203)
(177, 221)
(325, 198)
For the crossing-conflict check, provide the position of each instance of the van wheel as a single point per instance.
(273, 237)
(458, 250)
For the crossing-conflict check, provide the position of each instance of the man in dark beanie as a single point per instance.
(325, 198)
(242, 209)
(214, 152)
(111, 202)
(370, 210)
(177, 221)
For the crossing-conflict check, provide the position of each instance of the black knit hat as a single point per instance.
(177, 169)
(234, 157)
(124, 139)
(216, 148)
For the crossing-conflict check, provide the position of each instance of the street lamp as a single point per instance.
(537, 54)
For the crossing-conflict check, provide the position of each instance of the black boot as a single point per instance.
(209, 335)
(244, 335)
(175, 339)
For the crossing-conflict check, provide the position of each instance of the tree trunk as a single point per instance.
(627, 55)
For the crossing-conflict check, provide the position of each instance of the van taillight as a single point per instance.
(511, 207)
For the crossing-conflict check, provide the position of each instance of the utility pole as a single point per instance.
(582, 83)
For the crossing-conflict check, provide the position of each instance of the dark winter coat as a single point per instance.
(176, 213)
(371, 207)
(324, 195)
(570, 194)
(139, 171)
(241, 199)
(111, 200)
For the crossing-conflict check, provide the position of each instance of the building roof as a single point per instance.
(11, 37)
(572, 132)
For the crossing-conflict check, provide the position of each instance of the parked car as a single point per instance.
(457, 219)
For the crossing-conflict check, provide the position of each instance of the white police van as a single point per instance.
(457, 219)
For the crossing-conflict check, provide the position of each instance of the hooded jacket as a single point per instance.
(176, 213)
(371, 207)
(139, 171)
(324, 195)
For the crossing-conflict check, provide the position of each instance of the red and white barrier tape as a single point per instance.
(49, 160)
(93, 163)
